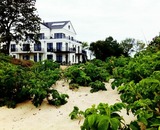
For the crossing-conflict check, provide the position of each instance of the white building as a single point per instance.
(57, 42)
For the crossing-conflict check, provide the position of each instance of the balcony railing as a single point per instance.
(24, 50)
(65, 50)
(68, 38)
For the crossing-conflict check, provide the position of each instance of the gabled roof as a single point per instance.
(55, 25)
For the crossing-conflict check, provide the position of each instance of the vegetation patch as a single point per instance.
(18, 83)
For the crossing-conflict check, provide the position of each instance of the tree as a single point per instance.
(17, 19)
(127, 44)
(155, 42)
(107, 48)
(138, 46)
(131, 46)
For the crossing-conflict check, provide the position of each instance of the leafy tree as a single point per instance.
(155, 43)
(17, 19)
(131, 46)
(137, 46)
(107, 48)
(127, 44)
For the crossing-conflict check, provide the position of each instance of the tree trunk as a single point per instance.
(8, 47)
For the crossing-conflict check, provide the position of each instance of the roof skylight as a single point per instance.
(58, 24)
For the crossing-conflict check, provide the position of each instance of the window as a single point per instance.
(59, 46)
(35, 57)
(59, 35)
(41, 36)
(67, 47)
(59, 58)
(72, 38)
(37, 47)
(29, 36)
(49, 47)
(73, 58)
(13, 47)
(26, 57)
(69, 27)
(26, 47)
(50, 57)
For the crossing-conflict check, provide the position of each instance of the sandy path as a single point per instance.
(46, 117)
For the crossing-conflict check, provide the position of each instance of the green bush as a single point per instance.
(76, 113)
(102, 117)
(84, 74)
(18, 83)
(96, 86)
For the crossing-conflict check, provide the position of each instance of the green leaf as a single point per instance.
(156, 122)
(92, 120)
(115, 123)
(134, 126)
(103, 123)
(143, 120)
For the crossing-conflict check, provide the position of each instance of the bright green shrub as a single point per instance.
(102, 117)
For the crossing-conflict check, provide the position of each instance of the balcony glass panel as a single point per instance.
(49, 47)
(59, 35)
(59, 46)
(37, 47)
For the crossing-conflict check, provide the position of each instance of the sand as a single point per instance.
(46, 117)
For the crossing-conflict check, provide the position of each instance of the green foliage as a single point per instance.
(138, 68)
(76, 113)
(96, 86)
(84, 74)
(139, 85)
(107, 48)
(127, 44)
(77, 75)
(12, 83)
(155, 43)
(55, 98)
(103, 117)
(18, 83)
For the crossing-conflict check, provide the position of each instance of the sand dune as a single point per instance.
(46, 117)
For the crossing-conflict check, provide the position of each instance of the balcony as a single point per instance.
(64, 50)
(67, 38)
(26, 50)
(79, 53)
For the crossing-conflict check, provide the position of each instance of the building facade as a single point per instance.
(56, 42)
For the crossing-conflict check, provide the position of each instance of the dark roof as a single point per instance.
(55, 25)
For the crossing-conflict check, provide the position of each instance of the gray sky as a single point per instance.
(97, 19)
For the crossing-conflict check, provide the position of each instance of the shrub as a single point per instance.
(96, 86)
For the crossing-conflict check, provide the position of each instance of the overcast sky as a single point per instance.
(97, 19)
